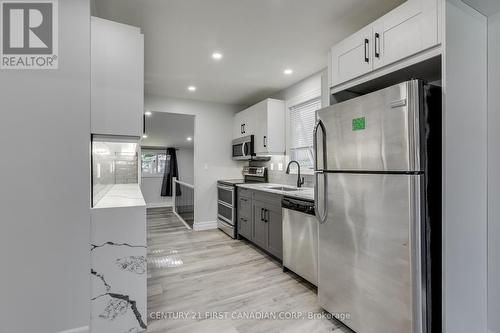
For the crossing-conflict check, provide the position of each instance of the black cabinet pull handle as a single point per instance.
(244, 129)
(377, 45)
(266, 215)
(241, 128)
(265, 141)
(367, 45)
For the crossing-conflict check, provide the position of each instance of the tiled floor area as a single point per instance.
(206, 282)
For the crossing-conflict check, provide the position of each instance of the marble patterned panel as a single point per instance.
(119, 270)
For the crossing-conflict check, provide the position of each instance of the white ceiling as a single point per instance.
(169, 130)
(258, 38)
(486, 7)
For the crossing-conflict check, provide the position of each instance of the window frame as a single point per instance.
(155, 152)
(292, 102)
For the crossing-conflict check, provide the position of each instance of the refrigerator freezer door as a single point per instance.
(369, 270)
(374, 132)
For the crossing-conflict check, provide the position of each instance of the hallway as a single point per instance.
(192, 273)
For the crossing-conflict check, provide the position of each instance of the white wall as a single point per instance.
(494, 173)
(299, 92)
(151, 191)
(151, 186)
(311, 83)
(185, 160)
(45, 215)
(212, 148)
(465, 170)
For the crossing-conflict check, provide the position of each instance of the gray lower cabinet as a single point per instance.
(260, 220)
(245, 214)
(260, 226)
(275, 231)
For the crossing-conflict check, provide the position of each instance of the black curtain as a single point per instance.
(171, 171)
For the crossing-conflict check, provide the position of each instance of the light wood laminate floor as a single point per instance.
(191, 273)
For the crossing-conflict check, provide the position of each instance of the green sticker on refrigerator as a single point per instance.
(358, 124)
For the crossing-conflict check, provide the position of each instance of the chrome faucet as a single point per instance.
(300, 181)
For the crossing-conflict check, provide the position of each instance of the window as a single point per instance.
(302, 119)
(153, 163)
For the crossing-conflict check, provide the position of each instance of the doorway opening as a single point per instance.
(167, 165)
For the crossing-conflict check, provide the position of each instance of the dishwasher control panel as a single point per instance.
(299, 205)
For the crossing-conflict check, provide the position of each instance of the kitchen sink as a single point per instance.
(284, 188)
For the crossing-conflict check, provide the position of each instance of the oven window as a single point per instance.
(225, 195)
(237, 150)
(226, 213)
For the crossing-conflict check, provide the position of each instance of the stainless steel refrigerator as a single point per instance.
(378, 197)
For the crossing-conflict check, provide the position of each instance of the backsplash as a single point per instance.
(114, 161)
(276, 168)
(108, 170)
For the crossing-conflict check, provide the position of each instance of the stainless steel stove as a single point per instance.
(226, 194)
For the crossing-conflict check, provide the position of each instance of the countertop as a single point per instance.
(303, 193)
(122, 195)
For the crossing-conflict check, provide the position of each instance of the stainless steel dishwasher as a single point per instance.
(300, 238)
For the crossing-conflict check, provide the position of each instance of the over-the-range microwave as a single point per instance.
(243, 148)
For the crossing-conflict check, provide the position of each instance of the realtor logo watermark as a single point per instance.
(29, 34)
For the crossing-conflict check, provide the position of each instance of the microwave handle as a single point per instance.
(243, 148)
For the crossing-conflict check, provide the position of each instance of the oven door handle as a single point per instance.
(226, 188)
(225, 204)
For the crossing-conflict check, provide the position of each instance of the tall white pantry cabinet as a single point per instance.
(117, 78)
(118, 225)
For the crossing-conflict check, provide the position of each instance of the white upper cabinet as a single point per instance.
(405, 31)
(117, 78)
(352, 57)
(402, 33)
(243, 123)
(238, 124)
(266, 122)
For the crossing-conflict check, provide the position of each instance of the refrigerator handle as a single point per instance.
(321, 203)
(321, 200)
(319, 125)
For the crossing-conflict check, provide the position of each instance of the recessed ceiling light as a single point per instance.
(288, 71)
(148, 113)
(192, 88)
(189, 139)
(144, 136)
(217, 55)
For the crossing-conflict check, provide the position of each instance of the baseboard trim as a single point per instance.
(206, 225)
(159, 205)
(84, 329)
